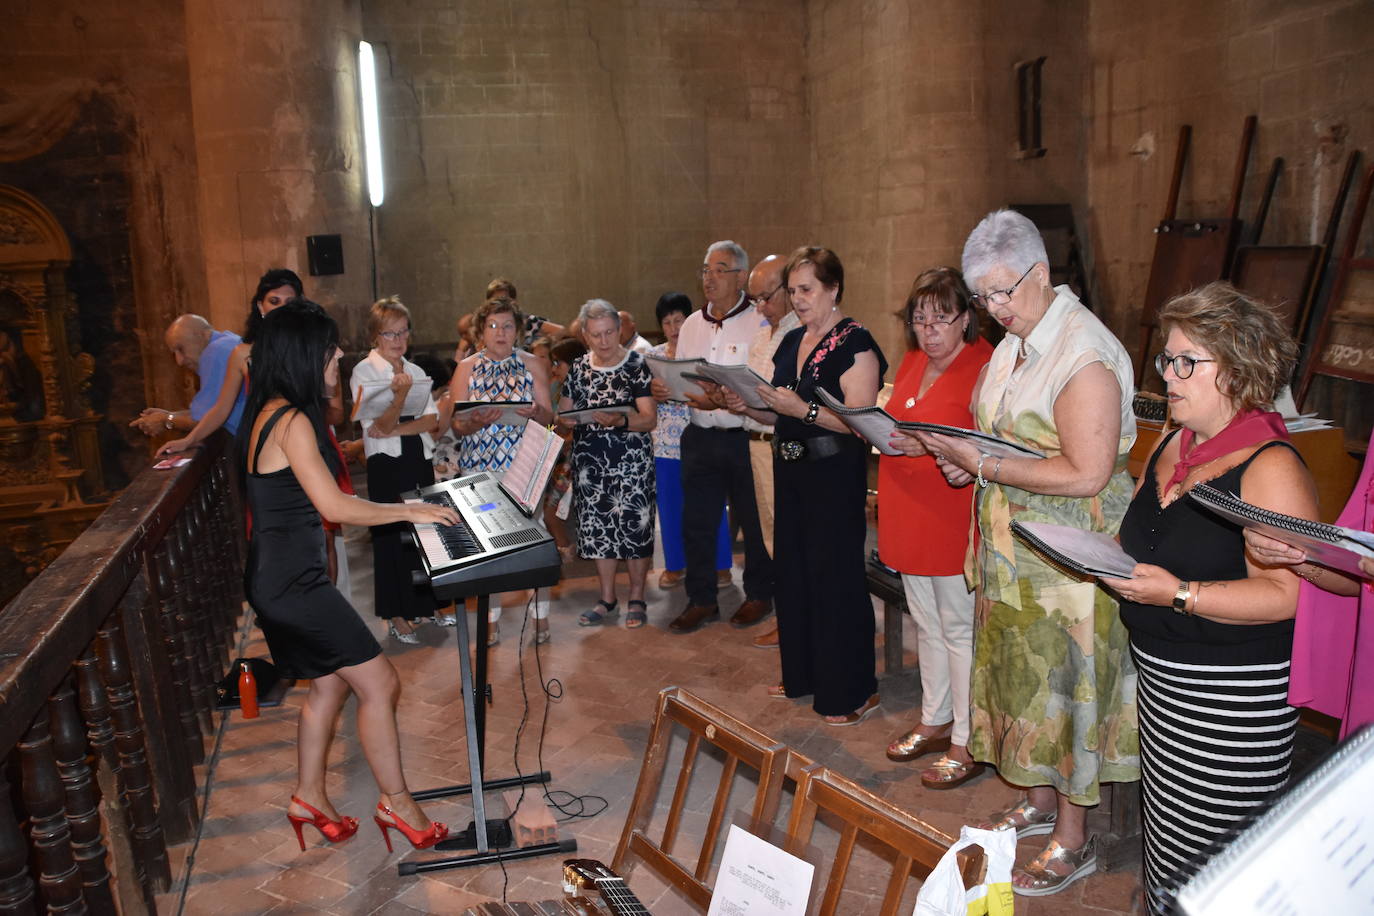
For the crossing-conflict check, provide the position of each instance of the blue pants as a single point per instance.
(669, 474)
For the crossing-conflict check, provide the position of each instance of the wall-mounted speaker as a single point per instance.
(325, 254)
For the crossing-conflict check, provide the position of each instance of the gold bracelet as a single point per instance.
(1297, 571)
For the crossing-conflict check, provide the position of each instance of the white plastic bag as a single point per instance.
(943, 893)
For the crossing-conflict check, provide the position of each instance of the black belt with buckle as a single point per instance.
(813, 449)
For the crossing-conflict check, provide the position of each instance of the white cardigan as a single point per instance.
(375, 368)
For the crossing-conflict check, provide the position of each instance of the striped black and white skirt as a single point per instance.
(1216, 741)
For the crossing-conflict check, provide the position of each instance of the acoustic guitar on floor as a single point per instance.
(589, 873)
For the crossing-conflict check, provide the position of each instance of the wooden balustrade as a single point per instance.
(108, 664)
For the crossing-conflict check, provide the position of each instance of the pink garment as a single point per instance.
(1333, 641)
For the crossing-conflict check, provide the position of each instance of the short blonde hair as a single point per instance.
(501, 287)
(1255, 354)
(382, 311)
(497, 305)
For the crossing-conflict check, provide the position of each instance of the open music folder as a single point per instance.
(875, 426)
(1329, 545)
(740, 379)
(1088, 553)
(675, 373)
(584, 415)
(1310, 852)
(509, 410)
(371, 399)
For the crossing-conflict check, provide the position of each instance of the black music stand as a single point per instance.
(478, 834)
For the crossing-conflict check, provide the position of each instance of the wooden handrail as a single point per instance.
(108, 661)
(64, 606)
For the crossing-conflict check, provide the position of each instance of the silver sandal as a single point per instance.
(1080, 863)
(1025, 817)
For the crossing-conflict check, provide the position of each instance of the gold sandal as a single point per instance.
(914, 744)
(946, 773)
(1079, 863)
(1025, 817)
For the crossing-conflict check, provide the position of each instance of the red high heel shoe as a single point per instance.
(420, 839)
(333, 831)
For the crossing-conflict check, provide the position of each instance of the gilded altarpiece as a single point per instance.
(51, 483)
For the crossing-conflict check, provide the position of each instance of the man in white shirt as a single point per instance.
(630, 338)
(767, 294)
(715, 449)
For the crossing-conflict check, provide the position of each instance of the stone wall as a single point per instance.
(914, 128)
(274, 91)
(1302, 67)
(592, 148)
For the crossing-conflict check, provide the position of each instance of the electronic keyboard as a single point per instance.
(495, 547)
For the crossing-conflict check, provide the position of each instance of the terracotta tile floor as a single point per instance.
(247, 860)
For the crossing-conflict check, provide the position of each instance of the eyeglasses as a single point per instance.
(394, 335)
(998, 296)
(718, 272)
(921, 321)
(759, 302)
(1183, 365)
(493, 326)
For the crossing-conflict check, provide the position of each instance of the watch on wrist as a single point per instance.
(167, 421)
(1181, 597)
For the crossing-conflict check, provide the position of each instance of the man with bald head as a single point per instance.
(196, 346)
(629, 335)
(766, 293)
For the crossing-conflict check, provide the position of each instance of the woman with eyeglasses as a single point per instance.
(499, 372)
(923, 524)
(1211, 629)
(400, 452)
(1053, 688)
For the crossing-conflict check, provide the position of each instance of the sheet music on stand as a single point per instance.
(1311, 851)
(524, 481)
(371, 399)
(1330, 545)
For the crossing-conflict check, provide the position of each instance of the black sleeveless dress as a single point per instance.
(1216, 730)
(311, 628)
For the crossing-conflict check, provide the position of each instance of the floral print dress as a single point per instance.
(613, 469)
(1053, 682)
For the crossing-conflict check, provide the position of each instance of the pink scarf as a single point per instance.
(1249, 427)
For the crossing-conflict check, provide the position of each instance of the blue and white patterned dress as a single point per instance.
(673, 417)
(492, 448)
(613, 470)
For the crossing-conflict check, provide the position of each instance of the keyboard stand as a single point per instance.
(479, 834)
